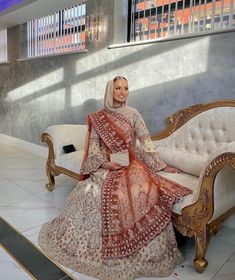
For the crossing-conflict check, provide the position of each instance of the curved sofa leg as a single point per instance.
(202, 239)
(51, 182)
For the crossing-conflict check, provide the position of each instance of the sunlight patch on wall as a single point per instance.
(36, 86)
(177, 60)
(90, 61)
(177, 63)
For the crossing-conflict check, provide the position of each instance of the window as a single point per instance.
(152, 19)
(61, 32)
(3, 46)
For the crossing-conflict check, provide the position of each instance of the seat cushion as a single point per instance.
(185, 180)
(71, 161)
(189, 162)
(66, 134)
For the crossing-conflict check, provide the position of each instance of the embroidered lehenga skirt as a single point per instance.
(116, 225)
(74, 239)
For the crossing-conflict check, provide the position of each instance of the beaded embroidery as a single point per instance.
(136, 204)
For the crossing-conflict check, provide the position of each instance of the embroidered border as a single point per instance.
(128, 241)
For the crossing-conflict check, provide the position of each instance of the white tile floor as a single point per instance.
(26, 204)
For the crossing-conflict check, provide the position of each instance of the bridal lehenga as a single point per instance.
(116, 225)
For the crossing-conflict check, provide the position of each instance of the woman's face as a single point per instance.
(120, 91)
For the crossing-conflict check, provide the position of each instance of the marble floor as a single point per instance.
(25, 204)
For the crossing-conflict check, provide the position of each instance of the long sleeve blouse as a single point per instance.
(144, 148)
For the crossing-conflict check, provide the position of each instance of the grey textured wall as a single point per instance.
(163, 78)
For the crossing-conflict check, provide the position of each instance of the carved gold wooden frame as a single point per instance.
(195, 219)
(52, 169)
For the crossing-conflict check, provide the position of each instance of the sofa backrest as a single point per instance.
(190, 146)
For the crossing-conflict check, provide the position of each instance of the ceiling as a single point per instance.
(5, 5)
(14, 12)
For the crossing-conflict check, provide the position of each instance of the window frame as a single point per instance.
(3, 48)
(46, 35)
(131, 38)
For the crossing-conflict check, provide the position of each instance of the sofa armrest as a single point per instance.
(202, 210)
(213, 159)
(57, 136)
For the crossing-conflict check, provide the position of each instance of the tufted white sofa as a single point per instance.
(200, 140)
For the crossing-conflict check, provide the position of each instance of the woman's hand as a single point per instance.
(171, 169)
(111, 166)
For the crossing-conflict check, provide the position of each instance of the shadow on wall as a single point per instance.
(41, 105)
(34, 104)
(34, 69)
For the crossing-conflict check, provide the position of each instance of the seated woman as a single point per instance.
(116, 225)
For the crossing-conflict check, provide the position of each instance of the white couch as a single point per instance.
(200, 140)
(56, 137)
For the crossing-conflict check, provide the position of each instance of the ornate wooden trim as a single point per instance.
(178, 119)
(70, 173)
(184, 226)
(51, 168)
(46, 138)
(215, 225)
(195, 218)
(219, 162)
(202, 210)
(202, 235)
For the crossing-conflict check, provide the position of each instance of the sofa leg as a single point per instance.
(202, 239)
(51, 182)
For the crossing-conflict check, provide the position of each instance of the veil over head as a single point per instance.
(108, 98)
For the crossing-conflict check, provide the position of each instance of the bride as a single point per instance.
(117, 223)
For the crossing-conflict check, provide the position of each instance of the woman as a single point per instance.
(117, 223)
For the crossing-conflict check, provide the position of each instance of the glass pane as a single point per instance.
(164, 18)
(58, 32)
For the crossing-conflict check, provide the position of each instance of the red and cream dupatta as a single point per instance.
(136, 204)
